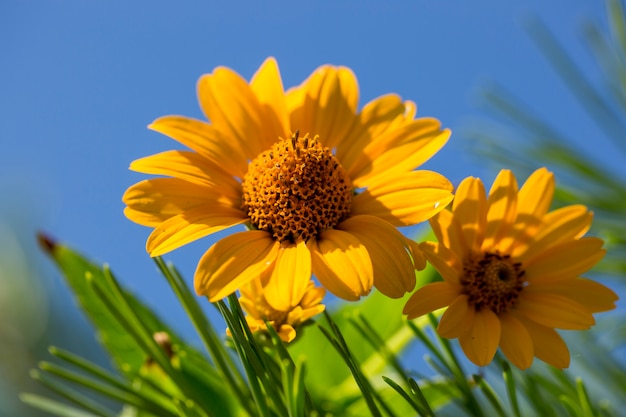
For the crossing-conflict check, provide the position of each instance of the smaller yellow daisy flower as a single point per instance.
(254, 303)
(511, 271)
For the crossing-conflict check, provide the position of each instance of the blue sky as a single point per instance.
(80, 80)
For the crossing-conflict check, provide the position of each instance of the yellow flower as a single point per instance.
(511, 271)
(284, 322)
(321, 185)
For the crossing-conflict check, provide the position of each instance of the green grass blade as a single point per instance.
(55, 407)
(511, 389)
(73, 396)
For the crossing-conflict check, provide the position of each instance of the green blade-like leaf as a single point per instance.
(206, 390)
(125, 352)
(382, 313)
(54, 407)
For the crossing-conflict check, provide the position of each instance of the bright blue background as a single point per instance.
(80, 80)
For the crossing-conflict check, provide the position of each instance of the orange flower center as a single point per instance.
(296, 190)
(493, 281)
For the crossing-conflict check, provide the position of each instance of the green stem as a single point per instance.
(239, 341)
(122, 395)
(511, 390)
(208, 335)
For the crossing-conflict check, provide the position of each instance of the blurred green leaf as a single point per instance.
(54, 407)
(383, 314)
(124, 351)
(190, 375)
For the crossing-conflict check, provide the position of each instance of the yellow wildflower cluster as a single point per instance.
(322, 187)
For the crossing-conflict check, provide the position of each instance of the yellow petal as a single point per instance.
(375, 118)
(290, 277)
(192, 225)
(591, 295)
(402, 131)
(410, 110)
(429, 298)
(329, 108)
(286, 333)
(559, 226)
(535, 196)
(230, 104)
(481, 341)
(470, 210)
(533, 202)
(233, 261)
(150, 202)
(206, 140)
(268, 87)
(501, 212)
(553, 311)
(515, 342)
(394, 274)
(313, 296)
(457, 319)
(419, 260)
(547, 344)
(189, 166)
(409, 147)
(145, 219)
(566, 260)
(405, 198)
(251, 299)
(449, 233)
(339, 115)
(403, 208)
(311, 312)
(254, 325)
(444, 261)
(408, 180)
(342, 264)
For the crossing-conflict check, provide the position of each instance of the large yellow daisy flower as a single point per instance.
(320, 184)
(511, 271)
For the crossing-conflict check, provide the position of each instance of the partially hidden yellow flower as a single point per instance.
(258, 310)
(511, 271)
(321, 185)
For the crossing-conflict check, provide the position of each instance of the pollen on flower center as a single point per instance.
(492, 281)
(296, 190)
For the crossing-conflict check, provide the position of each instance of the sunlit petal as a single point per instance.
(429, 298)
(394, 274)
(470, 209)
(554, 311)
(409, 147)
(566, 260)
(290, 276)
(481, 341)
(559, 226)
(444, 260)
(206, 140)
(267, 85)
(233, 261)
(342, 264)
(515, 342)
(376, 117)
(192, 225)
(502, 209)
(189, 166)
(547, 344)
(229, 102)
(594, 297)
(458, 318)
(151, 202)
